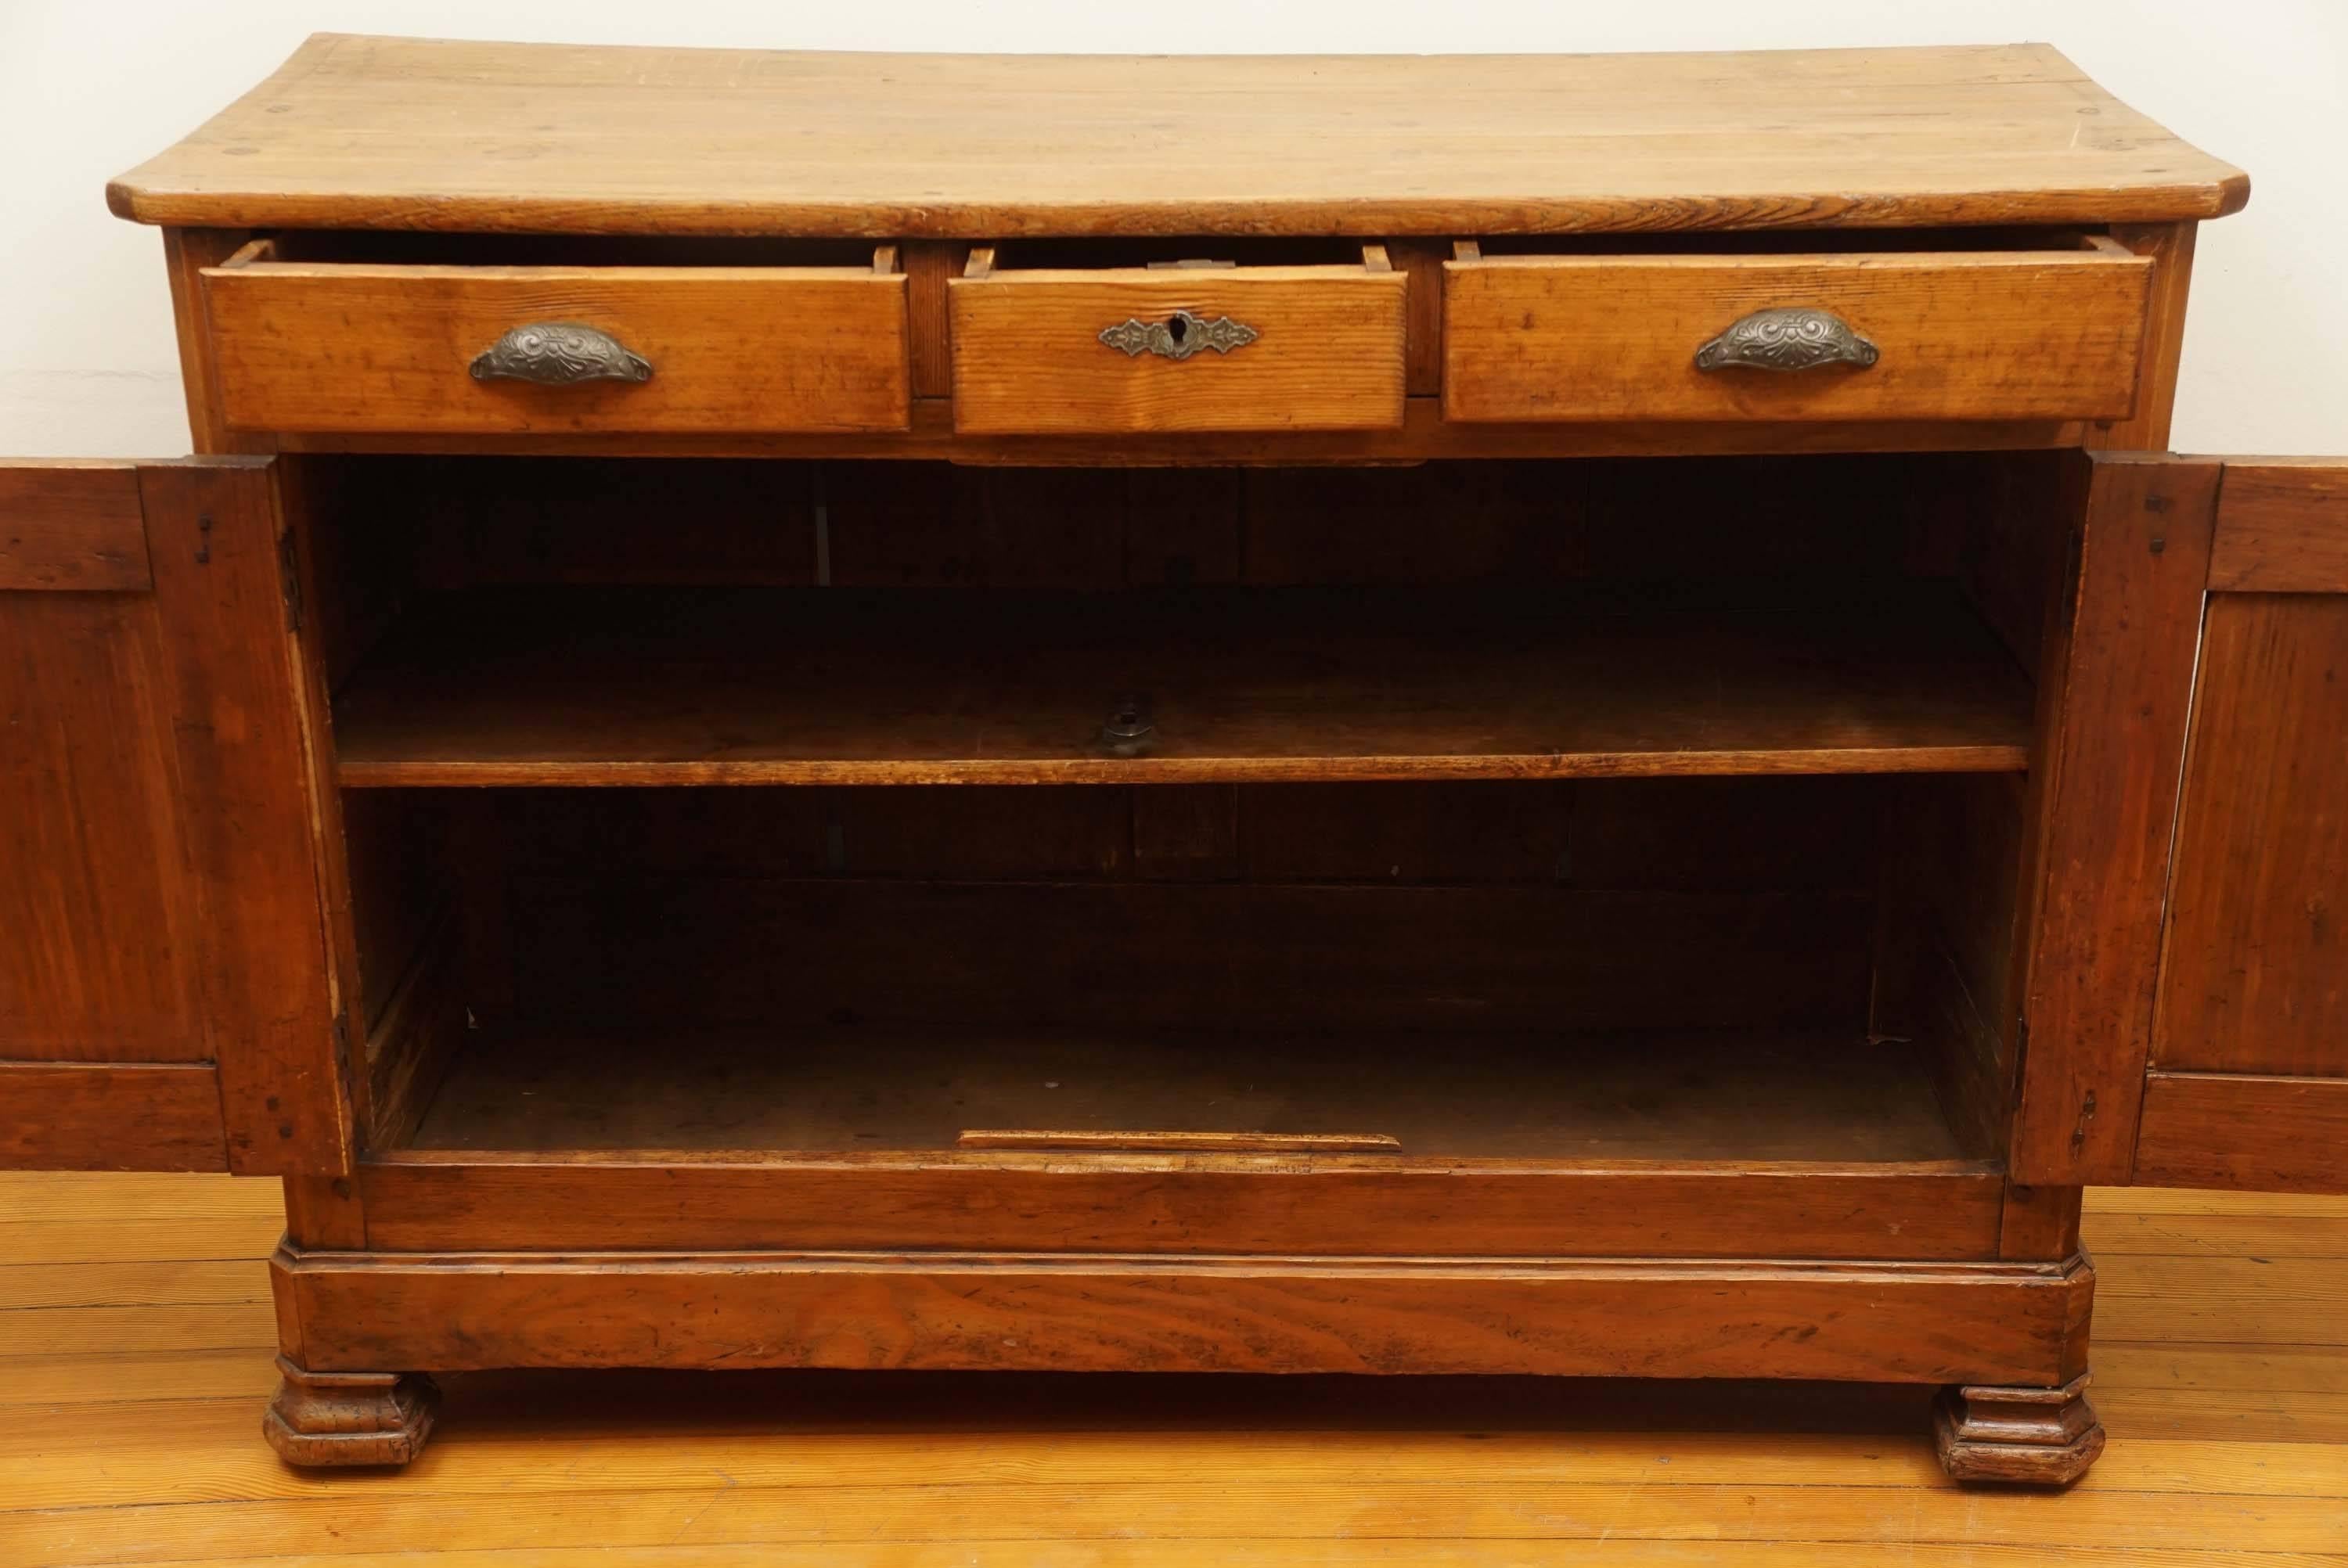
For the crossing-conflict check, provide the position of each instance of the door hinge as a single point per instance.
(290, 576)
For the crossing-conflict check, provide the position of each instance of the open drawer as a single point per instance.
(310, 342)
(2050, 333)
(1047, 340)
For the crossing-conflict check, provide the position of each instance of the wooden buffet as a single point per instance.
(1542, 714)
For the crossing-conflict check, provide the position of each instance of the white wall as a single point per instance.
(89, 87)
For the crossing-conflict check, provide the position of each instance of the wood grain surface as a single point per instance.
(76, 526)
(1917, 1322)
(2283, 527)
(2048, 334)
(1734, 1096)
(402, 133)
(110, 1116)
(2255, 975)
(2246, 1131)
(2115, 697)
(775, 688)
(457, 1201)
(337, 346)
(1028, 359)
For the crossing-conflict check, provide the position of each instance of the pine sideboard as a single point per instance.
(1544, 715)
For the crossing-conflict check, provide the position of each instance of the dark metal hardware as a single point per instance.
(559, 353)
(1797, 337)
(1131, 728)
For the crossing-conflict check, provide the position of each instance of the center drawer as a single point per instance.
(1045, 348)
(304, 343)
(2042, 327)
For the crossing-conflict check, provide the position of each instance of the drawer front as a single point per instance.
(2050, 334)
(1284, 348)
(336, 347)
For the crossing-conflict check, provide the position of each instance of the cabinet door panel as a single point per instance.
(150, 799)
(2115, 683)
(2248, 1082)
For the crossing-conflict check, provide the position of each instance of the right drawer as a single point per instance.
(2023, 334)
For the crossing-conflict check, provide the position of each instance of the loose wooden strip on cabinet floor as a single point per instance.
(813, 687)
(2219, 1455)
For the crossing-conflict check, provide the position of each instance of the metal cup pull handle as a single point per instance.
(559, 353)
(1797, 337)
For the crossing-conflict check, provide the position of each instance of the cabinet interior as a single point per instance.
(1540, 812)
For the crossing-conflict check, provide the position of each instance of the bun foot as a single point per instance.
(349, 1418)
(2034, 1436)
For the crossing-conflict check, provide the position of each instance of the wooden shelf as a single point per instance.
(1707, 1096)
(573, 686)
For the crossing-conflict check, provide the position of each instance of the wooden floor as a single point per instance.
(130, 1395)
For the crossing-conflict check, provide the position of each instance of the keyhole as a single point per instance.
(1176, 328)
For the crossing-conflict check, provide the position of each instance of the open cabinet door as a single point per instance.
(2249, 1079)
(164, 1001)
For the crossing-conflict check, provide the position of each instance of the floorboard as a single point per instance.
(133, 1371)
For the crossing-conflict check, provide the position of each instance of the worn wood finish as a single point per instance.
(2115, 683)
(215, 538)
(1423, 435)
(1735, 1096)
(333, 346)
(105, 1062)
(72, 526)
(2283, 527)
(1922, 1323)
(335, 1418)
(186, 253)
(93, 818)
(2255, 977)
(2250, 1131)
(2170, 247)
(1962, 335)
(738, 688)
(363, 132)
(460, 1200)
(110, 1116)
(1946, 932)
(2034, 1436)
(1028, 359)
(2041, 1223)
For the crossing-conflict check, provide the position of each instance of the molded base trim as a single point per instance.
(1987, 1323)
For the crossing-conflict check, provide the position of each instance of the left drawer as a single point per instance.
(337, 346)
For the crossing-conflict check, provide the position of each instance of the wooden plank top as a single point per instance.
(408, 133)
